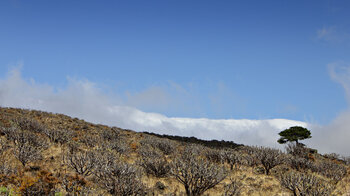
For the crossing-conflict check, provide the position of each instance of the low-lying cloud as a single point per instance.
(83, 99)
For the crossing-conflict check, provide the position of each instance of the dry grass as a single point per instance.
(253, 183)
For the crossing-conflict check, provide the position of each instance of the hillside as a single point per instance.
(53, 154)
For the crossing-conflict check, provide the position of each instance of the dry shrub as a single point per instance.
(297, 150)
(269, 158)
(214, 155)
(42, 183)
(75, 185)
(232, 157)
(153, 161)
(299, 163)
(164, 145)
(305, 184)
(233, 188)
(197, 175)
(59, 136)
(82, 162)
(89, 140)
(119, 178)
(28, 146)
(110, 134)
(31, 125)
(330, 170)
(157, 167)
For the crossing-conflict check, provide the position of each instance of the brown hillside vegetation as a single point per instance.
(53, 154)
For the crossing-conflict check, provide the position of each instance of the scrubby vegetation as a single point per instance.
(53, 154)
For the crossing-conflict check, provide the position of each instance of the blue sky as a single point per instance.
(212, 59)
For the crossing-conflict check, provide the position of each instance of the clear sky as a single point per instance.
(213, 59)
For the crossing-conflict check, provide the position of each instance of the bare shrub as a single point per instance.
(305, 184)
(153, 161)
(75, 185)
(197, 175)
(28, 146)
(113, 140)
(110, 134)
(164, 145)
(119, 178)
(31, 125)
(44, 185)
(58, 135)
(82, 162)
(214, 155)
(297, 150)
(233, 188)
(330, 170)
(332, 156)
(4, 146)
(299, 163)
(156, 167)
(269, 158)
(89, 140)
(346, 160)
(233, 158)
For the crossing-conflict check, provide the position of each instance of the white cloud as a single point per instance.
(335, 136)
(85, 100)
(333, 35)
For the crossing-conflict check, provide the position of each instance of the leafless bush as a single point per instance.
(330, 170)
(73, 147)
(110, 135)
(299, 163)
(234, 188)
(214, 155)
(6, 169)
(82, 162)
(3, 145)
(346, 160)
(196, 174)
(297, 150)
(75, 185)
(58, 135)
(164, 145)
(31, 125)
(233, 158)
(113, 140)
(28, 146)
(249, 155)
(153, 161)
(305, 184)
(89, 140)
(156, 167)
(332, 156)
(146, 151)
(120, 178)
(269, 158)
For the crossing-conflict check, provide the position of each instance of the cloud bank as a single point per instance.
(83, 99)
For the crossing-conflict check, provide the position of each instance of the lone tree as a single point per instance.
(294, 134)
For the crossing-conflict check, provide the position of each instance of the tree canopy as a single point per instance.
(294, 134)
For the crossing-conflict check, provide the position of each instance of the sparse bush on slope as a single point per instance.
(269, 158)
(305, 184)
(232, 157)
(164, 145)
(330, 170)
(233, 188)
(82, 162)
(119, 178)
(153, 162)
(28, 146)
(197, 175)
